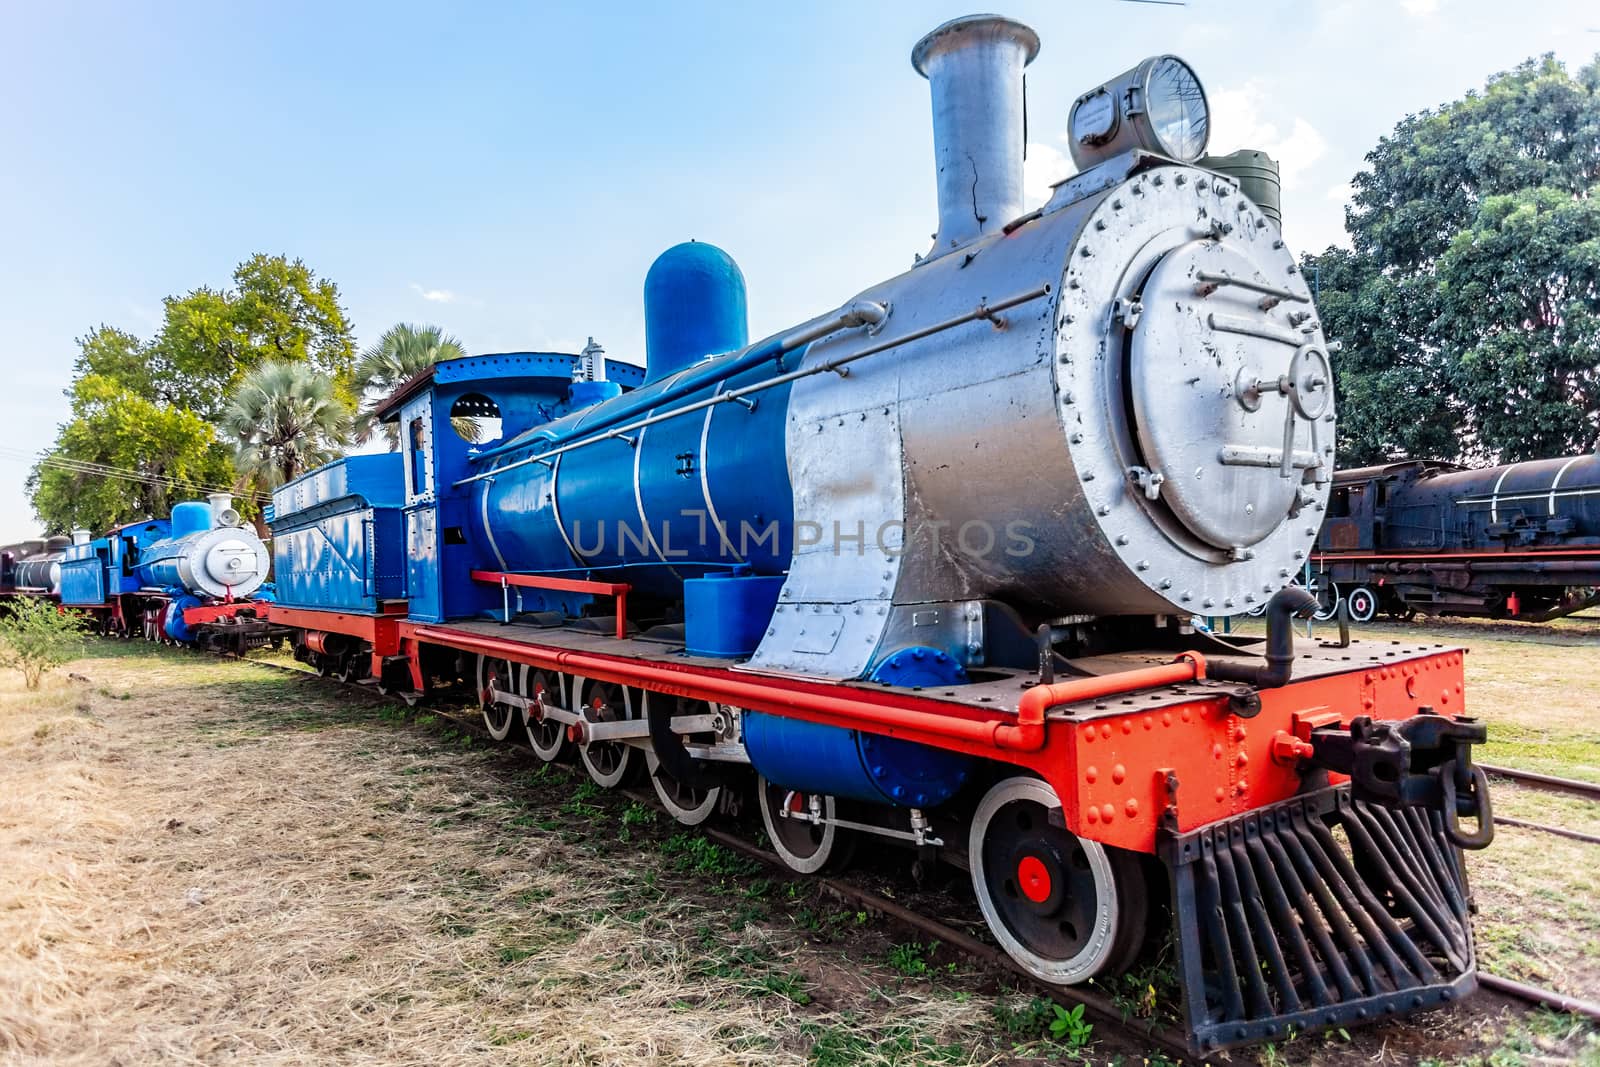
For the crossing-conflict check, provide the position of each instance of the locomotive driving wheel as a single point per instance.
(1065, 908)
(802, 829)
(544, 689)
(500, 676)
(354, 667)
(690, 804)
(610, 763)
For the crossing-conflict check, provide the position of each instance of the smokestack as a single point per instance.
(974, 71)
(80, 537)
(222, 513)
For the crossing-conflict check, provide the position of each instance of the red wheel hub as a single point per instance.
(1033, 878)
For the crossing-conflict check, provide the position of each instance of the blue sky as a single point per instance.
(509, 171)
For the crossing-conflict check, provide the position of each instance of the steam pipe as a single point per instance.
(1281, 609)
(861, 312)
(701, 376)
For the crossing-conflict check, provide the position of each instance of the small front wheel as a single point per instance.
(610, 763)
(1362, 604)
(545, 689)
(1067, 909)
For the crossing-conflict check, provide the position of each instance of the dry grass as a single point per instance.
(207, 862)
(184, 883)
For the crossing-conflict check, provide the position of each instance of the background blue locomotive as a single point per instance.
(142, 578)
(1515, 541)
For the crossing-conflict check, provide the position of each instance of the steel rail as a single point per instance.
(1548, 783)
(1559, 831)
(1101, 1005)
(1548, 998)
(1169, 1038)
(985, 312)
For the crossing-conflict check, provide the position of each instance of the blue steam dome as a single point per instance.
(694, 306)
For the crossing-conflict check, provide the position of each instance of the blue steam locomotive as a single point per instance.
(194, 577)
(920, 571)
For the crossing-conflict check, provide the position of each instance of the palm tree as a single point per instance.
(402, 353)
(285, 419)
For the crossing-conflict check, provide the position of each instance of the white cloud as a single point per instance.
(1420, 8)
(1044, 166)
(1237, 121)
(434, 296)
(1342, 193)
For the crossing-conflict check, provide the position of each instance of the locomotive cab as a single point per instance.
(443, 417)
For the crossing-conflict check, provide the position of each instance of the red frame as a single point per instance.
(199, 616)
(1120, 750)
(1224, 765)
(1484, 554)
(620, 590)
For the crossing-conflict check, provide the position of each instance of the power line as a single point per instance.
(105, 470)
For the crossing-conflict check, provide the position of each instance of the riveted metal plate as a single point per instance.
(1182, 372)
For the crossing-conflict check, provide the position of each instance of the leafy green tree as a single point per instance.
(403, 352)
(1436, 365)
(285, 419)
(278, 310)
(1393, 394)
(148, 408)
(110, 354)
(1520, 303)
(36, 637)
(160, 455)
(1533, 126)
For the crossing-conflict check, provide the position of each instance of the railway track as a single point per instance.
(1168, 1038)
(1545, 783)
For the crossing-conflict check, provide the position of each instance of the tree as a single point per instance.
(1520, 304)
(110, 354)
(148, 408)
(1435, 364)
(285, 419)
(278, 310)
(36, 637)
(159, 454)
(402, 353)
(1393, 394)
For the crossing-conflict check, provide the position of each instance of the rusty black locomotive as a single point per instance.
(1518, 541)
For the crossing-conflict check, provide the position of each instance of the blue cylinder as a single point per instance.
(694, 306)
(726, 614)
(190, 517)
(696, 493)
(588, 394)
(847, 763)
